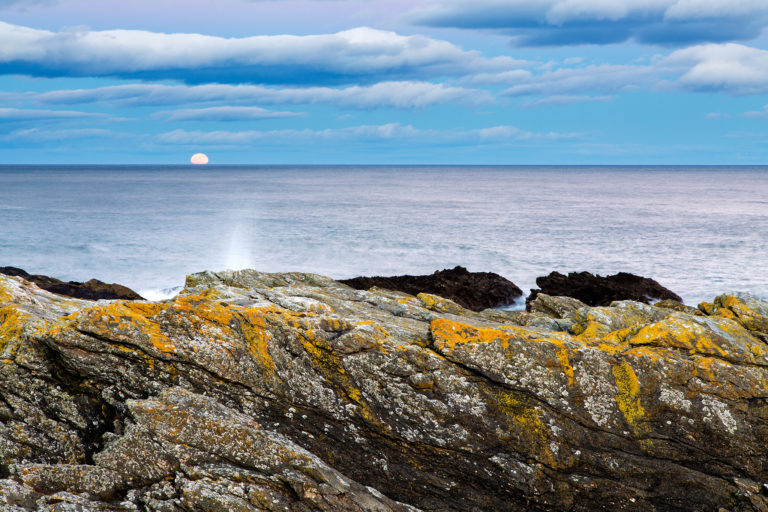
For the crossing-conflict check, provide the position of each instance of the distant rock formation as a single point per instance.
(595, 290)
(90, 290)
(255, 392)
(472, 290)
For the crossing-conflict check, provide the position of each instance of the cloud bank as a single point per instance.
(567, 22)
(359, 55)
(363, 133)
(400, 95)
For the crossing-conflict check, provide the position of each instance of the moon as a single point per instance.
(199, 159)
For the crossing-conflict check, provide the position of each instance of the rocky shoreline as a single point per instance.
(252, 391)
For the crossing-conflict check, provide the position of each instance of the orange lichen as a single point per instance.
(127, 322)
(205, 307)
(679, 333)
(12, 322)
(449, 334)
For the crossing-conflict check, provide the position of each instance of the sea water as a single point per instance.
(699, 231)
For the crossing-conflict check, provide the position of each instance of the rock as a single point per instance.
(677, 306)
(475, 291)
(90, 290)
(252, 391)
(596, 290)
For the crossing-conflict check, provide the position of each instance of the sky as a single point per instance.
(646, 82)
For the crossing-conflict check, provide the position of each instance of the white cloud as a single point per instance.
(19, 114)
(564, 22)
(697, 9)
(590, 79)
(402, 95)
(224, 114)
(42, 135)
(504, 78)
(385, 131)
(731, 68)
(389, 131)
(351, 55)
(757, 114)
(564, 99)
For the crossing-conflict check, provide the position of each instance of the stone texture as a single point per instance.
(89, 290)
(472, 290)
(594, 290)
(252, 391)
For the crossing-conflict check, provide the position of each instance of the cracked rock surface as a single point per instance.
(269, 392)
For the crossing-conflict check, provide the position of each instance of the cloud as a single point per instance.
(563, 99)
(731, 68)
(508, 133)
(401, 95)
(728, 68)
(37, 135)
(18, 114)
(603, 79)
(224, 114)
(567, 22)
(505, 77)
(356, 55)
(756, 114)
(363, 133)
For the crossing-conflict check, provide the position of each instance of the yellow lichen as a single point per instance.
(329, 364)
(628, 396)
(254, 329)
(529, 428)
(440, 304)
(565, 364)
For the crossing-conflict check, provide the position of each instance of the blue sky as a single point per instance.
(380, 81)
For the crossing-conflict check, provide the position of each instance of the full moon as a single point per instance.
(199, 159)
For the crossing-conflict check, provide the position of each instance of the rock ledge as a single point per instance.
(283, 392)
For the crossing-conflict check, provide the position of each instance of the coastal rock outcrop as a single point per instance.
(595, 290)
(89, 290)
(472, 290)
(252, 391)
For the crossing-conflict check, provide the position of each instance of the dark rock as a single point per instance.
(90, 290)
(475, 291)
(594, 290)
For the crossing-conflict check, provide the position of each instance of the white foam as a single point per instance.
(161, 293)
(518, 305)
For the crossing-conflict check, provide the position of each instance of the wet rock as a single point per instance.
(252, 391)
(471, 290)
(89, 290)
(594, 290)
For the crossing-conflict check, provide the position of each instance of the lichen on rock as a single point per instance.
(253, 391)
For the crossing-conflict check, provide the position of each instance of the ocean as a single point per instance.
(699, 231)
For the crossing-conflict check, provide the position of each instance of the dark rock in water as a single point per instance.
(90, 290)
(601, 291)
(255, 392)
(475, 291)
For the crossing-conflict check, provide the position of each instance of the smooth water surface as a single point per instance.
(699, 231)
